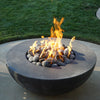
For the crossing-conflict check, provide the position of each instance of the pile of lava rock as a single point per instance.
(55, 61)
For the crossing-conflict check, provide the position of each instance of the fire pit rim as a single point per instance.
(48, 68)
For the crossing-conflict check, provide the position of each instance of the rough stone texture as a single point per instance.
(98, 13)
(10, 90)
(30, 58)
(38, 64)
(36, 58)
(66, 51)
(54, 65)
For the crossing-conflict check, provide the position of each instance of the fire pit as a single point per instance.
(54, 78)
(48, 80)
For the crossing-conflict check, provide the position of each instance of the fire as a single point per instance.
(56, 31)
(70, 45)
(32, 48)
(52, 46)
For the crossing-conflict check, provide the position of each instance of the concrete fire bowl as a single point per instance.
(50, 81)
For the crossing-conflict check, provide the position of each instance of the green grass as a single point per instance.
(20, 19)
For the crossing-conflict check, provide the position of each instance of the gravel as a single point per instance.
(36, 58)
(61, 58)
(30, 59)
(28, 55)
(54, 65)
(46, 64)
(59, 63)
(66, 52)
(38, 64)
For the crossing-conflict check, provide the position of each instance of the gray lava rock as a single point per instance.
(46, 64)
(28, 55)
(36, 58)
(72, 52)
(64, 57)
(54, 65)
(67, 61)
(60, 58)
(60, 63)
(72, 56)
(54, 61)
(34, 63)
(38, 64)
(41, 59)
(51, 60)
(30, 59)
(71, 60)
(66, 52)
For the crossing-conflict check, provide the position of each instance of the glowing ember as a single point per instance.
(51, 49)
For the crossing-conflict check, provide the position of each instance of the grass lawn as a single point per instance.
(20, 19)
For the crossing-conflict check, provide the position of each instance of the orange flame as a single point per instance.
(53, 42)
(56, 31)
(70, 45)
(32, 48)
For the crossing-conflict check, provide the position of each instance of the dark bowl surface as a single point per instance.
(50, 81)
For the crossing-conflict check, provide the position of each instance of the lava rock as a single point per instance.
(28, 55)
(60, 63)
(64, 57)
(66, 52)
(51, 60)
(36, 58)
(54, 65)
(71, 60)
(72, 52)
(46, 64)
(41, 59)
(57, 57)
(38, 64)
(34, 63)
(72, 56)
(30, 59)
(54, 61)
(60, 58)
(67, 61)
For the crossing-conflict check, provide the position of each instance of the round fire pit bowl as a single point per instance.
(50, 81)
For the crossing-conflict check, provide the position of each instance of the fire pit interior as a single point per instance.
(46, 58)
(51, 65)
(51, 52)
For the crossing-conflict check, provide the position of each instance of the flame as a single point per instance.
(42, 36)
(70, 45)
(50, 47)
(56, 31)
(32, 48)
